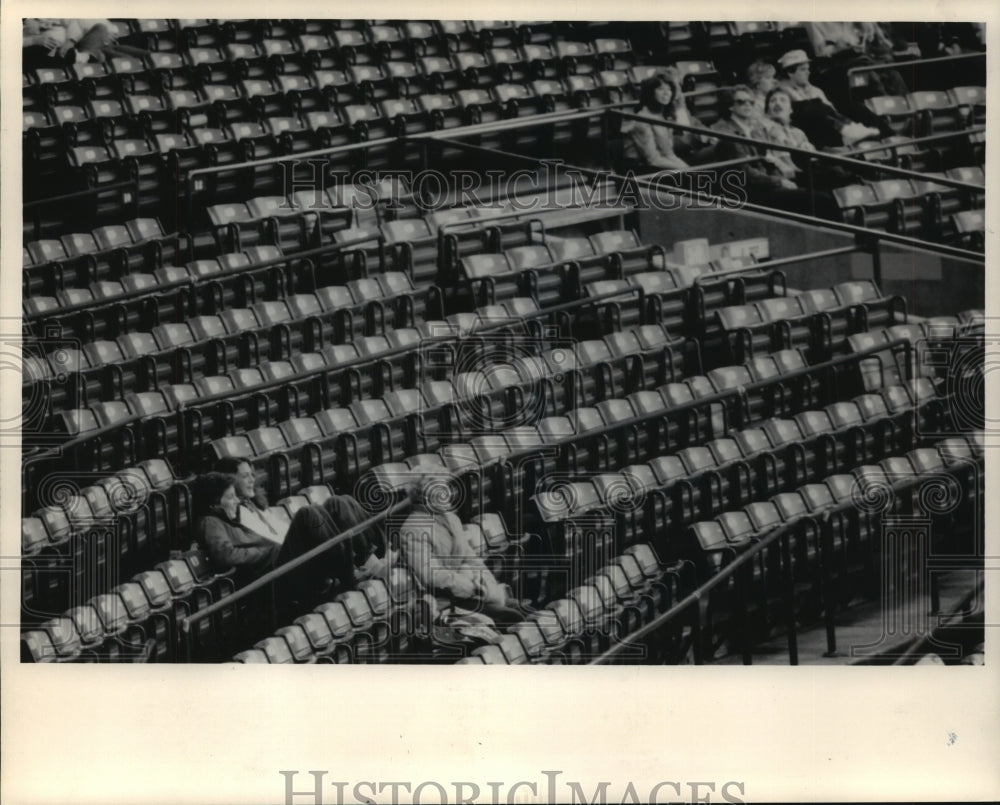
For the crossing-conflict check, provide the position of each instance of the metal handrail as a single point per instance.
(768, 265)
(694, 598)
(871, 68)
(858, 232)
(948, 135)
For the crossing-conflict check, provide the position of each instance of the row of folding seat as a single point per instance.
(258, 278)
(107, 252)
(318, 109)
(931, 157)
(137, 620)
(144, 417)
(340, 444)
(910, 207)
(683, 297)
(625, 594)
(385, 232)
(501, 471)
(263, 227)
(352, 41)
(555, 271)
(80, 540)
(926, 112)
(676, 293)
(326, 100)
(929, 337)
(711, 543)
(820, 321)
(372, 73)
(669, 492)
(834, 548)
(210, 343)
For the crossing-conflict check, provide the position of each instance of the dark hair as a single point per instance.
(647, 93)
(772, 93)
(209, 489)
(728, 97)
(230, 465)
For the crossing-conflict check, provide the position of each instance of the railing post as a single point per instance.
(741, 603)
(826, 562)
(873, 247)
(696, 633)
(186, 635)
(789, 585)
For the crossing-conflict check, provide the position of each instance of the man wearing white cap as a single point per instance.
(823, 124)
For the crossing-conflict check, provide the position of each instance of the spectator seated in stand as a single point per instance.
(766, 183)
(761, 78)
(435, 547)
(841, 46)
(650, 147)
(688, 145)
(813, 112)
(340, 511)
(60, 42)
(218, 529)
(234, 535)
(777, 128)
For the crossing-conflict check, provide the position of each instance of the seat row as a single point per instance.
(136, 621)
(819, 321)
(926, 112)
(627, 593)
(665, 494)
(88, 532)
(911, 207)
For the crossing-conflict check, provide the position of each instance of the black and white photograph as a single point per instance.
(431, 342)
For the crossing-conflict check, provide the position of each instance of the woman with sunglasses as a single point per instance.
(764, 182)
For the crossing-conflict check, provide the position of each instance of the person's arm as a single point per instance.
(664, 138)
(226, 552)
(418, 553)
(756, 172)
(33, 35)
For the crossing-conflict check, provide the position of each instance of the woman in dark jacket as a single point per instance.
(231, 544)
(218, 530)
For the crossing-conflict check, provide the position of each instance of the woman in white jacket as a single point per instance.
(434, 545)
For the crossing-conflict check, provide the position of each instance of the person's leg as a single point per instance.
(503, 614)
(310, 527)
